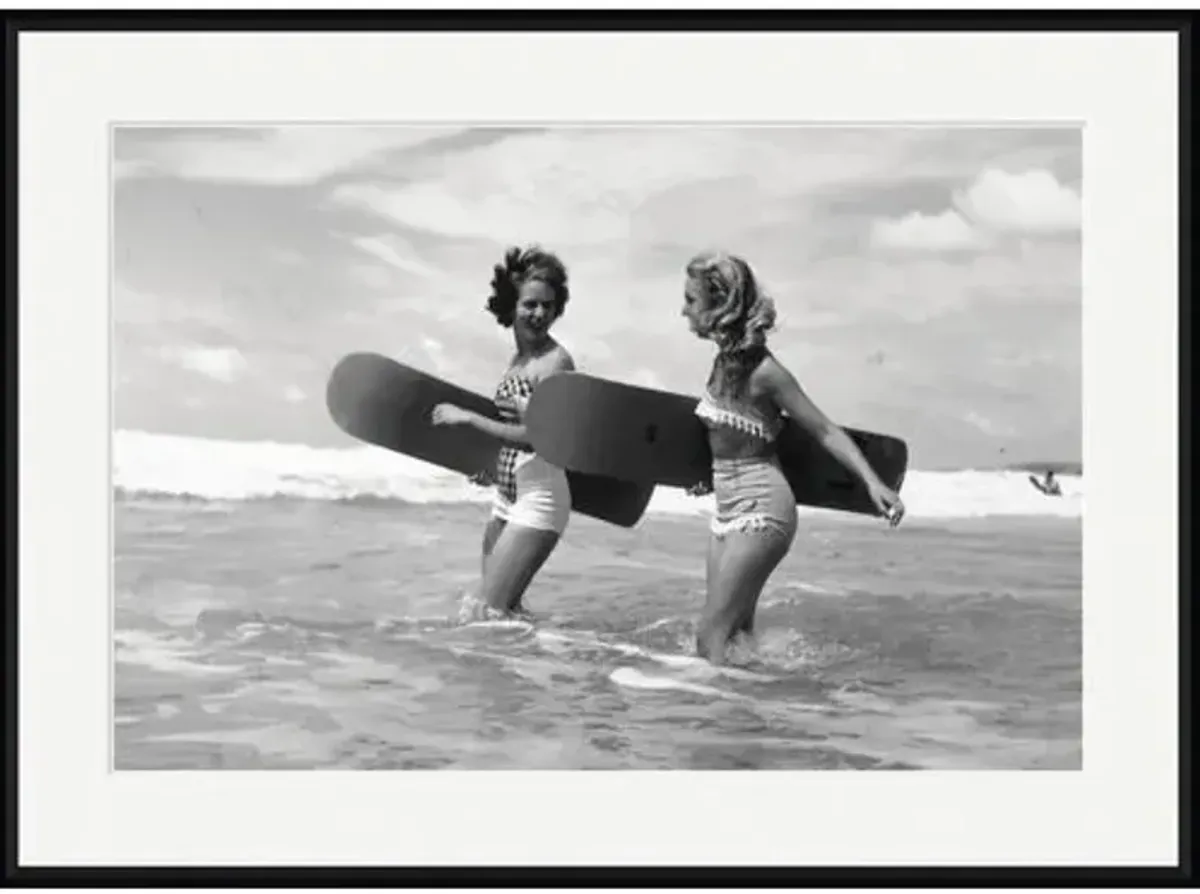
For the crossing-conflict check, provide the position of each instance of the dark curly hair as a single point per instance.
(522, 265)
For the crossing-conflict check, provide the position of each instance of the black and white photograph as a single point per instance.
(597, 447)
(590, 448)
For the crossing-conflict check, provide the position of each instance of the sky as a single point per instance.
(928, 280)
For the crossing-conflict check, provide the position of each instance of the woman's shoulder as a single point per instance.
(557, 359)
(768, 373)
(566, 360)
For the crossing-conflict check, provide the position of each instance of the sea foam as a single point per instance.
(150, 464)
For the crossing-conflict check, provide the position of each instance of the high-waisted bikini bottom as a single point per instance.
(752, 496)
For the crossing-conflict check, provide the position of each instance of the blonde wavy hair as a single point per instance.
(738, 313)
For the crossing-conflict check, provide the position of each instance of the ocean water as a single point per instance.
(281, 606)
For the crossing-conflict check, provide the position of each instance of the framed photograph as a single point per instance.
(697, 448)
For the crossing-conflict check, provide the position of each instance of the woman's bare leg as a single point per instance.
(517, 554)
(735, 581)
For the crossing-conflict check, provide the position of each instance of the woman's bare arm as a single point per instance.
(515, 433)
(781, 386)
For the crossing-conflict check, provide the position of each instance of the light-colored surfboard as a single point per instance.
(385, 403)
(602, 427)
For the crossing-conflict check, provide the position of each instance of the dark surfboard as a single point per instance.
(388, 404)
(602, 427)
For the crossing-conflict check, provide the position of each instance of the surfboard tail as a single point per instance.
(388, 404)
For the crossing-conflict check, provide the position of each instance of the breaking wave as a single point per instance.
(147, 464)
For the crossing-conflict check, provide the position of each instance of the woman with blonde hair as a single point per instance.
(743, 408)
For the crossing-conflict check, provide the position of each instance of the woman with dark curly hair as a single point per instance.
(748, 392)
(533, 498)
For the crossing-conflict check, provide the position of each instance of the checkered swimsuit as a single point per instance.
(512, 395)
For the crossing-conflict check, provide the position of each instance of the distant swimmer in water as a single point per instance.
(533, 498)
(748, 392)
(1049, 485)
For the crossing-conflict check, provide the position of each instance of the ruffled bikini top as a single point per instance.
(746, 421)
(739, 416)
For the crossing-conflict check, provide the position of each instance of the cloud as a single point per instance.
(438, 358)
(374, 276)
(854, 291)
(919, 232)
(397, 253)
(590, 186)
(270, 156)
(1031, 202)
(996, 203)
(287, 256)
(221, 364)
